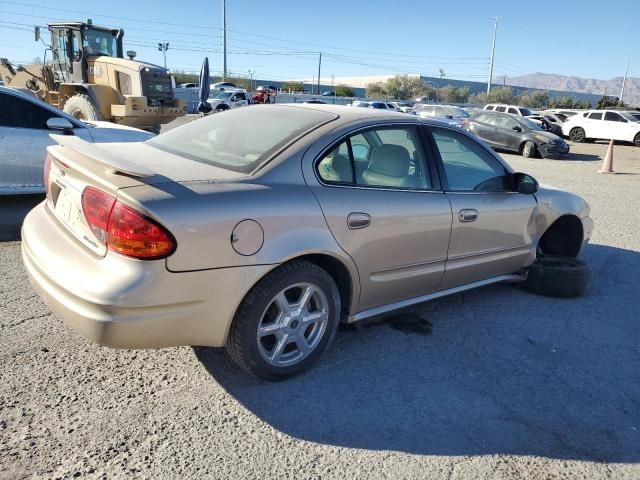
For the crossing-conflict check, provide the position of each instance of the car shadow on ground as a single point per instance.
(503, 372)
(13, 209)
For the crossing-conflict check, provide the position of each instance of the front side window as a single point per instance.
(20, 113)
(385, 158)
(468, 166)
(614, 117)
(595, 116)
(504, 121)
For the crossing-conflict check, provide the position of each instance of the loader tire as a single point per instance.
(81, 106)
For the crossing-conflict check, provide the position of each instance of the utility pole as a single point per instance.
(493, 51)
(163, 47)
(224, 40)
(251, 73)
(319, 64)
(624, 79)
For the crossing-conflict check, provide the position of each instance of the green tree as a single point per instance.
(607, 101)
(538, 99)
(293, 87)
(400, 87)
(376, 90)
(451, 94)
(344, 91)
(568, 102)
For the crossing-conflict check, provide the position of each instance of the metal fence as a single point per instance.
(192, 98)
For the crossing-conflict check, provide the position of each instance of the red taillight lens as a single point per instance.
(97, 207)
(47, 169)
(123, 229)
(133, 234)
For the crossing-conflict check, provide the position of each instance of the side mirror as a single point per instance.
(523, 183)
(59, 123)
(517, 128)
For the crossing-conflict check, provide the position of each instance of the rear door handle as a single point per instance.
(468, 215)
(357, 220)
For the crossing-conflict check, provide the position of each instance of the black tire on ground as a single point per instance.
(556, 276)
(636, 140)
(82, 107)
(577, 135)
(221, 108)
(242, 343)
(529, 149)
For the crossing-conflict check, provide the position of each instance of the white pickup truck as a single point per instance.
(229, 99)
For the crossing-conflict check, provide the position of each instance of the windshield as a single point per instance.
(525, 112)
(631, 116)
(456, 112)
(240, 139)
(530, 124)
(99, 42)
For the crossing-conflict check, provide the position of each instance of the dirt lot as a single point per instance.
(493, 383)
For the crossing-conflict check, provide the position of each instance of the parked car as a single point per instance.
(391, 106)
(447, 113)
(404, 107)
(360, 103)
(224, 86)
(379, 105)
(25, 126)
(559, 118)
(229, 100)
(512, 109)
(565, 112)
(329, 94)
(514, 133)
(188, 85)
(547, 123)
(635, 114)
(212, 235)
(602, 124)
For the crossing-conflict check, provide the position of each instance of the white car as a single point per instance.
(25, 125)
(602, 124)
(225, 87)
(450, 114)
(404, 107)
(228, 100)
(512, 109)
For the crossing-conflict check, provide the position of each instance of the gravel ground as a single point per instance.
(493, 383)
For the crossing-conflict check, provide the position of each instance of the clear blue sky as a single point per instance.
(357, 37)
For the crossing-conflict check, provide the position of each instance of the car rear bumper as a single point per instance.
(120, 302)
(551, 150)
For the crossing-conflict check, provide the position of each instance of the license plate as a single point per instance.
(66, 209)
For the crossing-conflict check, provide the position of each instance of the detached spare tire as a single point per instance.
(556, 276)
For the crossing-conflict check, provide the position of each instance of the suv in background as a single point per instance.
(228, 100)
(603, 125)
(505, 131)
(512, 109)
(450, 114)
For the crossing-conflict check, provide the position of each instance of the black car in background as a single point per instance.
(503, 131)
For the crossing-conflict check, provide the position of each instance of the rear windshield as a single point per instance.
(240, 139)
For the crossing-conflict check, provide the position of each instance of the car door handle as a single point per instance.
(468, 215)
(357, 220)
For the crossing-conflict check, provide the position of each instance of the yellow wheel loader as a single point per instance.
(88, 77)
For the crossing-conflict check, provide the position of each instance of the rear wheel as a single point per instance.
(577, 135)
(285, 322)
(558, 276)
(82, 107)
(636, 140)
(529, 149)
(221, 108)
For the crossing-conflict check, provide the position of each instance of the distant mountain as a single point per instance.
(548, 81)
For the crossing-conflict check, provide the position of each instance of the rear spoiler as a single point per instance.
(112, 163)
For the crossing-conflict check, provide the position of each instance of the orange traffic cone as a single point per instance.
(607, 165)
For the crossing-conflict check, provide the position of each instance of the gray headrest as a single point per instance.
(390, 160)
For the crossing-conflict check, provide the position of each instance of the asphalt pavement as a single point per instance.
(491, 383)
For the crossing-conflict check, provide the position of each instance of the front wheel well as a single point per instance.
(564, 237)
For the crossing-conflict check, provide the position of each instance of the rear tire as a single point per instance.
(221, 108)
(577, 135)
(636, 140)
(81, 106)
(529, 149)
(556, 276)
(267, 318)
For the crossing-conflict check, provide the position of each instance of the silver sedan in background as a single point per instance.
(263, 228)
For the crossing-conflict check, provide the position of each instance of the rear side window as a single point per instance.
(514, 111)
(468, 166)
(595, 116)
(383, 158)
(501, 109)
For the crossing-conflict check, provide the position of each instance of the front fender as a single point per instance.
(554, 203)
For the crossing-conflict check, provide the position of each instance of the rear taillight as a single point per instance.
(47, 169)
(123, 229)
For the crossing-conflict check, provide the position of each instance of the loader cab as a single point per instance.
(74, 43)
